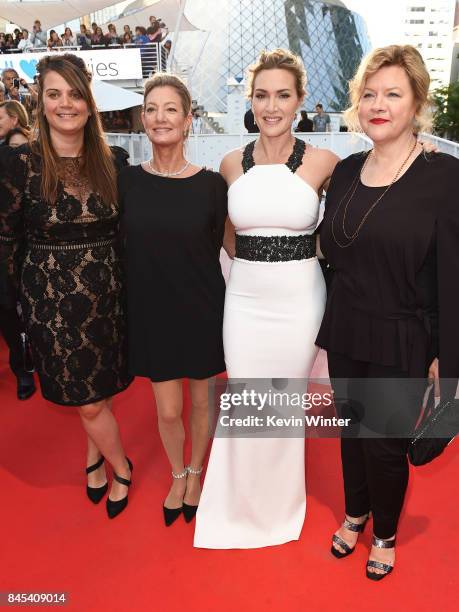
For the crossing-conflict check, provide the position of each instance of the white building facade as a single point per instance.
(428, 25)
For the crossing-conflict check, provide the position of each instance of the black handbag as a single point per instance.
(438, 428)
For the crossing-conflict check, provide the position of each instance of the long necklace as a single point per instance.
(153, 169)
(353, 188)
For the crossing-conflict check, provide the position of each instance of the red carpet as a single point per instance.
(54, 539)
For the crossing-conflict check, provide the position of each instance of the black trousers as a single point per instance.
(11, 328)
(384, 406)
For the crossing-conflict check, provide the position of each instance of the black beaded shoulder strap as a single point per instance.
(296, 158)
(293, 163)
(247, 157)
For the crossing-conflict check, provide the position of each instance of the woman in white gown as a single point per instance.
(254, 492)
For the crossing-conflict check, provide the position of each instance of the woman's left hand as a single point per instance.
(429, 147)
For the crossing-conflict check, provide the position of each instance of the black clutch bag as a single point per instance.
(438, 428)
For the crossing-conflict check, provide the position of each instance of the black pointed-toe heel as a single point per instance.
(189, 512)
(95, 494)
(172, 514)
(116, 507)
(357, 528)
(385, 567)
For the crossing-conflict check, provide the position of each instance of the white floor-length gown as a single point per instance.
(254, 491)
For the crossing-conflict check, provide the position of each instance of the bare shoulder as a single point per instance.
(323, 157)
(317, 167)
(230, 167)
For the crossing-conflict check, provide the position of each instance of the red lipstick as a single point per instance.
(378, 121)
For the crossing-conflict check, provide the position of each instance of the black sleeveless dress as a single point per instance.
(176, 290)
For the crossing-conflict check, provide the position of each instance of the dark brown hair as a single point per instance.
(98, 165)
(17, 130)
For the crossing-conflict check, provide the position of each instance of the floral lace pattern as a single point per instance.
(72, 299)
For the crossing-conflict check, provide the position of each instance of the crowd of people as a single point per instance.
(25, 41)
(100, 305)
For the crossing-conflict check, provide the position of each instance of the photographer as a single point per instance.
(13, 85)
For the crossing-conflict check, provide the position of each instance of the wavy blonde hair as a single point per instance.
(278, 58)
(408, 58)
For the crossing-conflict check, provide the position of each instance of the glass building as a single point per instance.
(329, 37)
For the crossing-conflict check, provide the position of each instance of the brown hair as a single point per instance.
(278, 58)
(161, 79)
(408, 58)
(15, 109)
(18, 130)
(98, 165)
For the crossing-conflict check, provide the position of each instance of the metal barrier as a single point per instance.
(209, 149)
(443, 145)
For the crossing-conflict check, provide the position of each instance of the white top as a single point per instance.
(270, 200)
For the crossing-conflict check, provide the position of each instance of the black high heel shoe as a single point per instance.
(172, 514)
(95, 494)
(357, 528)
(115, 507)
(189, 512)
(385, 567)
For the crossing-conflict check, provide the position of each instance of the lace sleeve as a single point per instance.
(13, 167)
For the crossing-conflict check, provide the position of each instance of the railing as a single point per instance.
(209, 149)
(443, 145)
(153, 57)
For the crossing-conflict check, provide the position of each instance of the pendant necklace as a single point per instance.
(351, 237)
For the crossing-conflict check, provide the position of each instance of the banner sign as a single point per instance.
(104, 64)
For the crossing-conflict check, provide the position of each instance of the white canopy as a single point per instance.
(110, 97)
(51, 13)
(137, 14)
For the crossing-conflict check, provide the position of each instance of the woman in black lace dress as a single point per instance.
(58, 239)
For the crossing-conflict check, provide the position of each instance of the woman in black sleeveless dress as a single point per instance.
(174, 217)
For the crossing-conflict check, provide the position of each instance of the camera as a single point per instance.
(16, 83)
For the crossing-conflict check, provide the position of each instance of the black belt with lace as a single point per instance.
(275, 248)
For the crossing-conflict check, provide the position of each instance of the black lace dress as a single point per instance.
(64, 261)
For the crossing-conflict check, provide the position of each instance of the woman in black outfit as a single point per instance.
(391, 235)
(59, 250)
(174, 216)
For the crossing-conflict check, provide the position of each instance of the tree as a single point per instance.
(446, 111)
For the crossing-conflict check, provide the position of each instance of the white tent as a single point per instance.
(137, 14)
(51, 13)
(110, 97)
